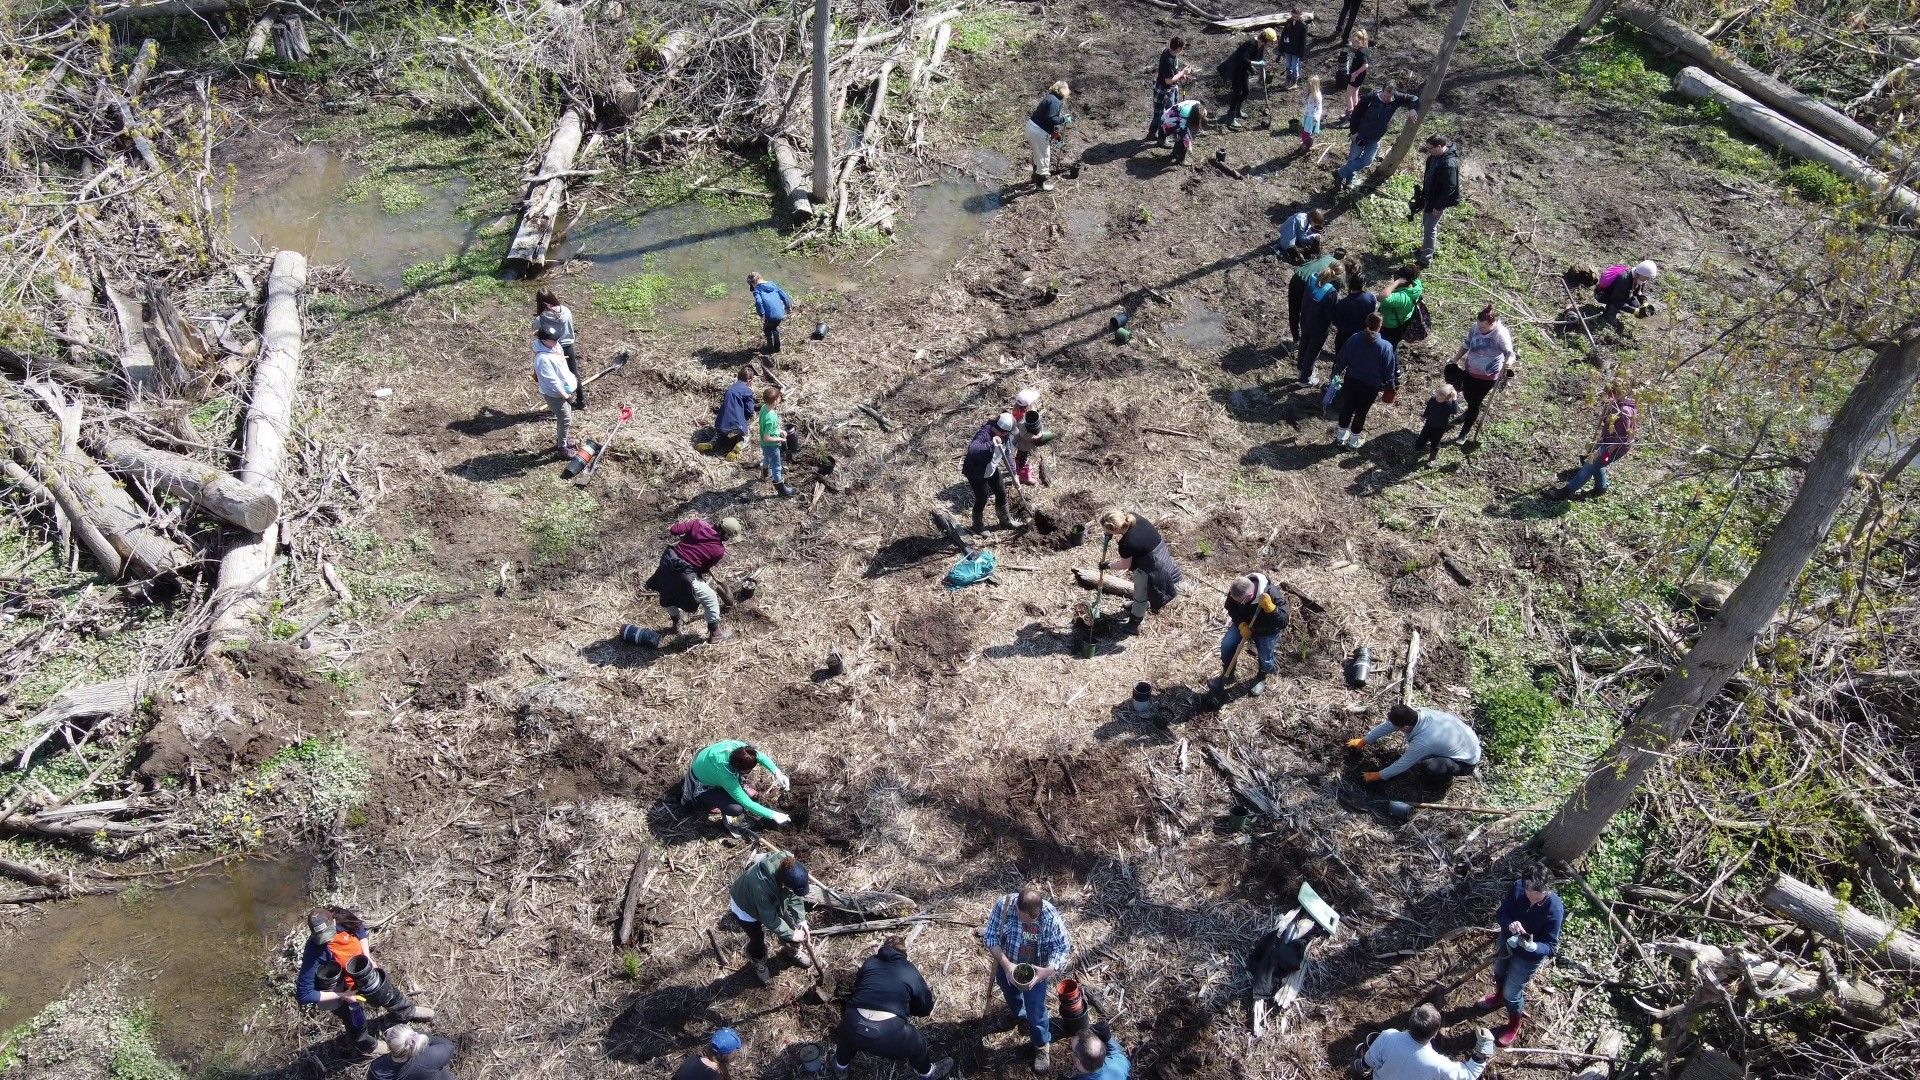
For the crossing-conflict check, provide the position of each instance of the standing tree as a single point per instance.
(1726, 645)
(822, 121)
(1462, 10)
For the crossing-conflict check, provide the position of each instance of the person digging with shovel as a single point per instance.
(771, 895)
(1144, 554)
(1530, 921)
(555, 378)
(887, 991)
(1257, 609)
(1438, 743)
(1028, 943)
(681, 578)
(716, 783)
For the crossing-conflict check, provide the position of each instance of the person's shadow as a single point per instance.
(1035, 639)
(488, 420)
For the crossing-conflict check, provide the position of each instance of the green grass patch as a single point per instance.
(134, 1056)
(403, 154)
(561, 524)
(637, 300)
(1617, 67)
(993, 28)
(1515, 718)
(1820, 184)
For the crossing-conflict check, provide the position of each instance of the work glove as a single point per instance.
(1246, 630)
(785, 781)
(1357, 744)
(1529, 946)
(1515, 943)
(780, 818)
(1370, 777)
(1482, 1044)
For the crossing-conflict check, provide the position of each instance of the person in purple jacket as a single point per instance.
(1530, 919)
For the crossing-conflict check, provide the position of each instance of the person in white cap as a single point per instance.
(1026, 435)
(1623, 289)
(981, 467)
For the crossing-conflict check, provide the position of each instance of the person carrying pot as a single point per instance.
(1029, 435)
(1410, 1055)
(716, 783)
(1046, 125)
(413, 1055)
(1438, 743)
(338, 975)
(714, 1061)
(1143, 554)
(1530, 920)
(982, 468)
(1257, 608)
(887, 991)
(1028, 943)
(681, 578)
(771, 895)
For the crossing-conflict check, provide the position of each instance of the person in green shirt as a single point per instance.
(1398, 306)
(1302, 279)
(716, 781)
(773, 441)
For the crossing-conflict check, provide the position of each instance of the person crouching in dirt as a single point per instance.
(1184, 120)
(681, 577)
(1255, 606)
(1166, 88)
(1096, 1055)
(716, 783)
(771, 895)
(413, 1055)
(887, 991)
(1530, 920)
(1409, 1054)
(986, 453)
(714, 1061)
(1438, 743)
(1046, 126)
(1028, 437)
(557, 386)
(735, 417)
(337, 944)
(1299, 231)
(1143, 554)
(1028, 943)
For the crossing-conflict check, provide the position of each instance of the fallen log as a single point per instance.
(528, 253)
(795, 186)
(85, 376)
(77, 307)
(1695, 84)
(244, 570)
(623, 930)
(130, 125)
(669, 56)
(1250, 22)
(78, 828)
(112, 697)
(290, 39)
(167, 9)
(1107, 583)
(176, 348)
(1821, 912)
(214, 490)
(257, 38)
(142, 67)
(874, 926)
(136, 356)
(115, 531)
(1807, 111)
(489, 93)
(1606, 1048)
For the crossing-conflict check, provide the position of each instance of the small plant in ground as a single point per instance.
(716, 291)
(1143, 215)
(1514, 718)
(1819, 183)
(630, 965)
(637, 299)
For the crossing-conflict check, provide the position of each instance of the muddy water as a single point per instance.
(198, 951)
(310, 212)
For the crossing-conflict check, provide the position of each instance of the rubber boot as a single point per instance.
(840, 1072)
(679, 620)
(1042, 1061)
(419, 1014)
(940, 1069)
(1259, 685)
(717, 633)
(1506, 1036)
(761, 974)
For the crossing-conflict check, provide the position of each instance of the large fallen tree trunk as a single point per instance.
(669, 56)
(227, 497)
(112, 527)
(69, 373)
(1695, 84)
(1831, 918)
(795, 185)
(114, 697)
(136, 356)
(1107, 583)
(545, 198)
(1805, 110)
(244, 571)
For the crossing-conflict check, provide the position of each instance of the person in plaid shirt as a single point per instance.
(1025, 929)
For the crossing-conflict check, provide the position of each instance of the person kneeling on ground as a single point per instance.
(1300, 227)
(1097, 1055)
(1530, 920)
(1410, 1055)
(1143, 554)
(1621, 289)
(715, 783)
(1438, 742)
(336, 945)
(1258, 607)
(681, 577)
(1025, 936)
(771, 894)
(887, 991)
(735, 416)
(413, 1055)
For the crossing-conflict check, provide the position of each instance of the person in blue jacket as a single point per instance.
(1316, 321)
(1097, 1056)
(1530, 920)
(773, 305)
(735, 418)
(1371, 368)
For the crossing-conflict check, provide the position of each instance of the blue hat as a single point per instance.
(794, 879)
(726, 1041)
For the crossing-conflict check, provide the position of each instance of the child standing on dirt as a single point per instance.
(1166, 88)
(1434, 420)
(1353, 65)
(1619, 424)
(557, 385)
(772, 304)
(1311, 109)
(1293, 44)
(550, 312)
(1027, 435)
(773, 441)
(1046, 125)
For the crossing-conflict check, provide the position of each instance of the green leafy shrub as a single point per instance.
(1819, 183)
(1514, 718)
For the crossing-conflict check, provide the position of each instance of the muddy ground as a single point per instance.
(521, 753)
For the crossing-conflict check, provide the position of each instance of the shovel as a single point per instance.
(619, 364)
(821, 991)
(587, 459)
(1217, 695)
(1093, 614)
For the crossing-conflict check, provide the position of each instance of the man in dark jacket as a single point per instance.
(1255, 606)
(1530, 921)
(1439, 192)
(1348, 21)
(1247, 61)
(735, 416)
(1369, 126)
(680, 577)
(983, 469)
(887, 991)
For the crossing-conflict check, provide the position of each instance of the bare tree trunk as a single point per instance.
(822, 122)
(1726, 645)
(1436, 77)
(1590, 18)
(546, 198)
(221, 494)
(1824, 914)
